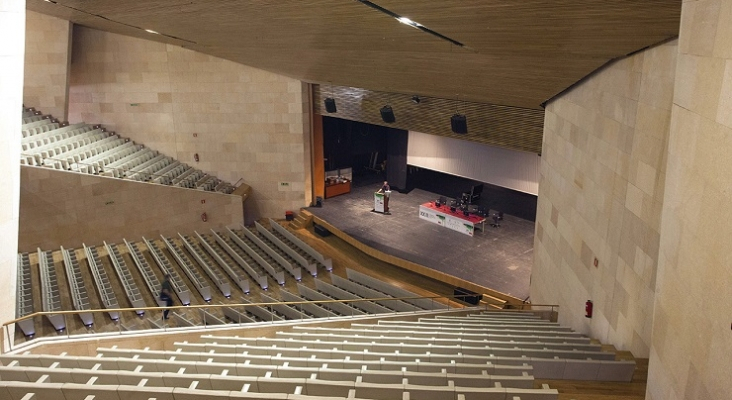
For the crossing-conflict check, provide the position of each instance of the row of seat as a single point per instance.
(193, 273)
(260, 258)
(202, 259)
(274, 252)
(79, 295)
(179, 286)
(236, 274)
(285, 250)
(91, 149)
(103, 284)
(125, 277)
(24, 295)
(223, 258)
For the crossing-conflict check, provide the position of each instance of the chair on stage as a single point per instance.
(496, 218)
(474, 194)
(442, 201)
(480, 211)
(454, 205)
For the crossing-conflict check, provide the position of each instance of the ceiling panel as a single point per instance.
(521, 52)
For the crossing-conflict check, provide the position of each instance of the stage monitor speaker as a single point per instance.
(459, 123)
(387, 114)
(467, 296)
(320, 230)
(330, 105)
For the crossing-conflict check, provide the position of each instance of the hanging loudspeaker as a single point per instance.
(387, 114)
(330, 105)
(459, 123)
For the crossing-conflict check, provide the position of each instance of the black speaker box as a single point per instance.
(330, 105)
(467, 296)
(459, 123)
(320, 230)
(387, 114)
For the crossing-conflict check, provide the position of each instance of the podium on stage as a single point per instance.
(381, 201)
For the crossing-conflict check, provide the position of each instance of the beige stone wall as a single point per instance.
(47, 58)
(12, 34)
(60, 208)
(243, 123)
(600, 196)
(690, 355)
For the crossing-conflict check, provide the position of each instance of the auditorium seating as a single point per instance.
(24, 295)
(189, 269)
(50, 294)
(243, 259)
(412, 348)
(91, 149)
(284, 249)
(383, 287)
(125, 277)
(237, 275)
(214, 274)
(151, 280)
(104, 285)
(260, 258)
(179, 286)
(262, 245)
(301, 246)
(79, 295)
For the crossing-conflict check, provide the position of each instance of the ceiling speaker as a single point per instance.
(387, 114)
(459, 123)
(330, 105)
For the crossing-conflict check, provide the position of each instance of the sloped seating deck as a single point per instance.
(91, 149)
(204, 369)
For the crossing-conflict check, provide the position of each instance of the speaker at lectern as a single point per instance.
(381, 201)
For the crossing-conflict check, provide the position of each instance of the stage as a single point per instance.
(498, 258)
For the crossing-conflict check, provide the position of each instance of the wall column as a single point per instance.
(691, 341)
(47, 62)
(12, 48)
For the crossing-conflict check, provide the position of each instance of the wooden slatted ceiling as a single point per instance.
(509, 127)
(522, 52)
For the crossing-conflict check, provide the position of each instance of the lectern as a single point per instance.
(381, 202)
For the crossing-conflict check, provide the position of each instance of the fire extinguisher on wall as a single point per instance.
(204, 217)
(588, 309)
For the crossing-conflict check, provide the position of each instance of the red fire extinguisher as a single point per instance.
(588, 309)
(204, 217)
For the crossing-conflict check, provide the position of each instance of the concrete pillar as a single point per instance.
(12, 49)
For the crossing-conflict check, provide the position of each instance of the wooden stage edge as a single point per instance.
(491, 296)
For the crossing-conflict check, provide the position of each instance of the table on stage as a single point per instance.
(456, 221)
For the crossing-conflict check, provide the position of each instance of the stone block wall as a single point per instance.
(241, 122)
(601, 192)
(47, 59)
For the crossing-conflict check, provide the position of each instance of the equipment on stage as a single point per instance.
(462, 221)
(442, 201)
(474, 194)
(381, 202)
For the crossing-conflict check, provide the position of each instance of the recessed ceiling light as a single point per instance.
(151, 31)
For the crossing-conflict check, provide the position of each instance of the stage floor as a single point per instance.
(499, 258)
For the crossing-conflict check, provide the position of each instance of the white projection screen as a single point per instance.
(511, 169)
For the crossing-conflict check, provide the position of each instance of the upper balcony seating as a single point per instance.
(91, 149)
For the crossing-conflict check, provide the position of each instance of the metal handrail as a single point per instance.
(41, 313)
(521, 307)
